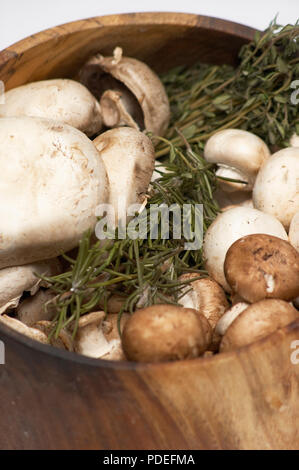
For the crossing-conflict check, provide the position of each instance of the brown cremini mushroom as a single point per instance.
(207, 297)
(165, 333)
(262, 266)
(229, 227)
(258, 321)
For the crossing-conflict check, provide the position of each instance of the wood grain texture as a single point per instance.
(51, 399)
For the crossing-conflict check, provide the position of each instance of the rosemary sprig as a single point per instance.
(253, 97)
(145, 271)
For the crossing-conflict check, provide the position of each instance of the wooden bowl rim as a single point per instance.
(123, 19)
(221, 358)
(119, 20)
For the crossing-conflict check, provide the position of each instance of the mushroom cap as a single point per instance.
(60, 99)
(20, 327)
(229, 227)
(165, 333)
(230, 315)
(294, 231)
(240, 155)
(294, 141)
(34, 309)
(64, 339)
(261, 266)
(258, 321)
(129, 158)
(110, 330)
(276, 187)
(14, 281)
(144, 84)
(91, 339)
(110, 325)
(52, 180)
(206, 296)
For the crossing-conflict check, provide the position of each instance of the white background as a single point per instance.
(20, 18)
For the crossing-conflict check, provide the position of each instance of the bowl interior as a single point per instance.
(162, 40)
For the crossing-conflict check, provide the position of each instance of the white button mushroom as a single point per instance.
(294, 231)
(60, 99)
(294, 141)
(16, 280)
(129, 158)
(20, 327)
(239, 155)
(141, 94)
(229, 227)
(52, 180)
(90, 340)
(276, 189)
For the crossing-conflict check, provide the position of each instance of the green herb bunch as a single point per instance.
(255, 96)
(144, 271)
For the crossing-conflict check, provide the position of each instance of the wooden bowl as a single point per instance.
(51, 399)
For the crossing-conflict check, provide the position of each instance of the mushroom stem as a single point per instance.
(143, 93)
(114, 110)
(239, 155)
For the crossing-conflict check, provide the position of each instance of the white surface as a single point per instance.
(20, 18)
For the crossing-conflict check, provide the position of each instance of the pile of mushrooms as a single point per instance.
(54, 178)
(251, 255)
(64, 145)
